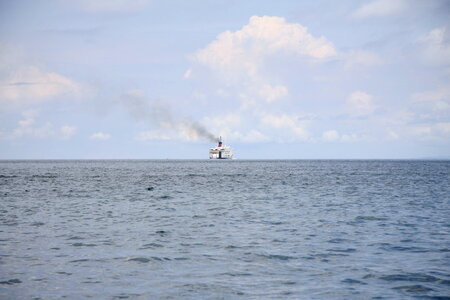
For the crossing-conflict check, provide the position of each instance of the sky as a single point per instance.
(154, 79)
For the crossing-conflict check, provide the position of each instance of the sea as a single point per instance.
(225, 229)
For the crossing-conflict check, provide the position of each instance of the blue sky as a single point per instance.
(277, 79)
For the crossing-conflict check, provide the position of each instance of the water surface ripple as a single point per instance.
(224, 229)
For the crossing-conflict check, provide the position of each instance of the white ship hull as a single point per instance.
(220, 152)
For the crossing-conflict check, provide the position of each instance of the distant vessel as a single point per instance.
(221, 151)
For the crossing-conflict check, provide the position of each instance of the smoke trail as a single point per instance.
(201, 131)
(159, 115)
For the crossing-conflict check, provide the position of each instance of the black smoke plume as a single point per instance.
(159, 115)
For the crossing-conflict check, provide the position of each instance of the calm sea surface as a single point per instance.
(225, 229)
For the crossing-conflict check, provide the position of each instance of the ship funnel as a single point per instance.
(220, 142)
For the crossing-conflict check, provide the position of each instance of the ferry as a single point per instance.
(221, 151)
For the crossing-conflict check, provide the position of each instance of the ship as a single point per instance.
(221, 151)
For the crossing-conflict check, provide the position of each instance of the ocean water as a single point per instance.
(225, 229)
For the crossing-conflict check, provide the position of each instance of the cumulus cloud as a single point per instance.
(240, 56)
(380, 8)
(100, 136)
(259, 126)
(32, 84)
(261, 37)
(360, 103)
(436, 46)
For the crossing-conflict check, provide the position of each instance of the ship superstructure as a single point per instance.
(221, 151)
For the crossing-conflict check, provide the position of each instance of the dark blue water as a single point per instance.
(225, 229)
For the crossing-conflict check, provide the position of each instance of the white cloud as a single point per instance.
(28, 128)
(100, 136)
(296, 127)
(420, 130)
(392, 135)
(380, 8)
(360, 103)
(259, 126)
(331, 135)
(239, 57)
(254, 136)
(334, 136)
(436, 100)
(66, 132)
(436, 46)
(187, 74)
(406, 124)
(247, 101)
(261, 37)
(24, 130)
(437, 131)
(236, 127)
(272, 93)
(243, 135)
(32, 84)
